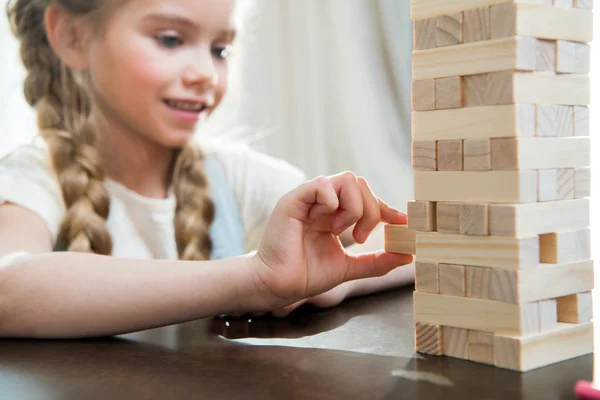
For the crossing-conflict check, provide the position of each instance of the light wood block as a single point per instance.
(548, 185)
(565, 247)
(546, 281)
(582, 183)
(422, 216)
(424, 34)
(548, 315)
(573, 57)
(565, 121)
(566, 184)
(423, 95)
(477, 155)
(582, 58)
(448, 93)
(448, 217)
(514, 53)
(481, 347)
(427, 277)
(564, 3)
(576, 308)
(584, 4)
(452, 280)
(428, 339)
(476, 314)
(456, 342)
(540, 153)
(399, 239)
(424, 155)
(476, 25)
(474, 219)
(477, 123)
(449, 155)
(420, 9)
(555, 121)
(546, 55)
(564, 342)
(581, 116)
(539, 218)
(490, 89)
(503, 20)
(486, 251)
(449, 30)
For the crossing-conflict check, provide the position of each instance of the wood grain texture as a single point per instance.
(399, 239)
(449, 30)
(503, 20)
(448, 93)
(481, 347)
(427, 277)
(452, 280)
(546, 55)
(422, 216)
(424, 34)
(573, 57)
(449, 155)
(424, 155)
(420, 9)
(540, 153)
(423, 95)
(476, 25)
(548, 314)
(576, 308)
(490, 89)
(565, 247)
(555, 23)
(428, 339)
(582, 183)
(493, 284)
(448, 217)
(566, 184)
(581, 117)
(474, 219)
(456, 342)
(565, 121)
(477, 155)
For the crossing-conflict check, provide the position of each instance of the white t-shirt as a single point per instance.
(141, 227)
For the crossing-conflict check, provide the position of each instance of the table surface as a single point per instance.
(362, 349)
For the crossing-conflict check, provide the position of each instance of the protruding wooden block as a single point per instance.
(448, 217)
(477, 155)
(474, 219)
(503, 20)
(548, 314)
(489, 89)
(566, 184)
(564, 247)
(449, 30)
(481, 347)
(582, 183)
(456, 342)
(428, 339)
(564, 3)
(425, 34)
(584, 4)
(422, 216)
(452, 280)
(546, 55)
(423, 95)
(448, 93)
(540, 153)
(476, 25)
(576, 308)
(424, 155)
(427, 277)
(581, 116)
(399, 239)
(450, 155)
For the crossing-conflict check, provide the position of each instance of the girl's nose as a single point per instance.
(201, 73)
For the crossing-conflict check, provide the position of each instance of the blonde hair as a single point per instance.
(64, 107)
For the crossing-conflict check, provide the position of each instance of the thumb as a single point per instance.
(369, 265)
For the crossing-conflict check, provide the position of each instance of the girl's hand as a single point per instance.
(301, 255)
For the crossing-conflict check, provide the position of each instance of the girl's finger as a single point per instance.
(371, 213)
(351, 203)
(285, 311)
(311, 199)
(374, 264)
(390, 215)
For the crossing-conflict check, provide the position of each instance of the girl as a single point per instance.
(119, 87)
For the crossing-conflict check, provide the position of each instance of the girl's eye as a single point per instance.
(169, 41)
(221, 52)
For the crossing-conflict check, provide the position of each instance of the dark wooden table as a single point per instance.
(362, 349)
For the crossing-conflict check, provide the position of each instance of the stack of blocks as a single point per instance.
(501, 154)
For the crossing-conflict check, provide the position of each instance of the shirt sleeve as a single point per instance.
(28, 180)
(258, 182)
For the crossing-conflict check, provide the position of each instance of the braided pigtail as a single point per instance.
(64, 119)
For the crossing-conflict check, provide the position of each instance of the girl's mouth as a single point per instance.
(185, 105)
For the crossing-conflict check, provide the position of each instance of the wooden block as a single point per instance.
(428, 339)
(582, 183)
(448, 217)
(423, 95)
(540, 153)
(573, 57)
(399, 239)
(503, 20)
(553, 23)
(481, 347)
(477, 155)
(476, 314)
(425, 34)
(566, 184)
(538, 218)
(581, 116)
(548, 185)
(493, 284)
(584, 4)
(456, 342)
(427, 277)
(452, 280)
(474, 219)
(477, 187)
(547, 121)
(565, 121)
(422, 216)
(565, 247)
(582, 58)
(476, 25)
(476, 123)
(449, 155)
(544, 88)
(449, 29)
(424, 155)
(490, 89)
(548, 314)
(448, 93)
(576, 308)
(420, 9)
(516, 253)
(546, 55)
(515, 53)
(564, 3)
(564, 342)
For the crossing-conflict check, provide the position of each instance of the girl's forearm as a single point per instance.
(67, 295)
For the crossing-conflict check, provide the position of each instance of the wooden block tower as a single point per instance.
(501, 155)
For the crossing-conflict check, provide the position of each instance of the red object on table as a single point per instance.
(586, 391)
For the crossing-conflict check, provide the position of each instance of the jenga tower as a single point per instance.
(501, 154)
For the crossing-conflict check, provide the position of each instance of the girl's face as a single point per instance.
(158, 67)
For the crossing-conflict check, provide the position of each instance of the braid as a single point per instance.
(64, 110)
(195, 209)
